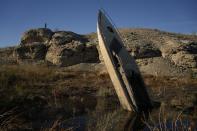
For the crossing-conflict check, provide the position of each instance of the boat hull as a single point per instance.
(122, 68)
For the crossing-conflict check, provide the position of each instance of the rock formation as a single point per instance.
(155, 51)
(68, 48)
(62, 48)
(159, 52)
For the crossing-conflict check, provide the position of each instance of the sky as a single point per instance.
(80, 16)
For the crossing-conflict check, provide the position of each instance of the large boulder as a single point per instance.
(68, 48)
(42, 35)
(72, 53)
(181, 52)
(61, 48)
(34, 51)
(185, 59)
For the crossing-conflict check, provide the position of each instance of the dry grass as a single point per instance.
(55, 126)
(166, 121)
(43, 93)
(10, 120)
(11, 74)
(108, 121)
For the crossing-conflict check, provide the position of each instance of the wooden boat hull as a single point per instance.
(122, 68)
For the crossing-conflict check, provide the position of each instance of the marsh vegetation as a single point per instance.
(40, 97)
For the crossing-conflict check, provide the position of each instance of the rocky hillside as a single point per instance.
(57, 81)
(162, 53)
(156, 52)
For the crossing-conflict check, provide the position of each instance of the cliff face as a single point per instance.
(156, 52)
